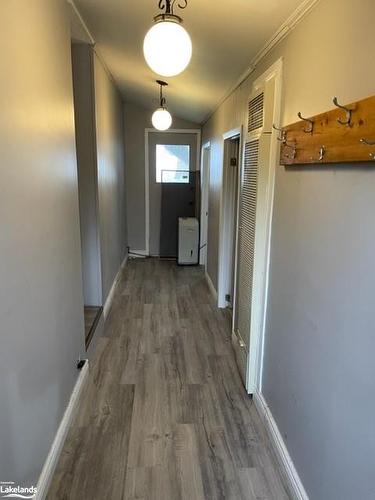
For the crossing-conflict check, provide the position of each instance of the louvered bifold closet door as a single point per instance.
(248, 203)
(256, 113)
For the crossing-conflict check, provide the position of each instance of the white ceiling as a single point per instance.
(226, 36)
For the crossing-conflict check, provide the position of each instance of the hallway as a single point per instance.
(164, 415)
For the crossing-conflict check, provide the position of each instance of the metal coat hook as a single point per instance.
(283, 134)
(347, 111)
(310, 130)
(368, 142)
(322, 152)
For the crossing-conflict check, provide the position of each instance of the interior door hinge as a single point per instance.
(233, 162)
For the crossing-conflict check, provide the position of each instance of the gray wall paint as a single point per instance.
(137, 119)
(41, 300)
(319, 355)
(111, 175)
(84, 112)
(318, 366)
(100, 149)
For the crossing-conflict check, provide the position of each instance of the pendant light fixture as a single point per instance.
(167, 46)
(162, 119)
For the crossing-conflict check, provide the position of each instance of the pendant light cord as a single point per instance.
(162, 98)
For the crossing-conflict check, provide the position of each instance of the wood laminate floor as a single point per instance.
(164, 415)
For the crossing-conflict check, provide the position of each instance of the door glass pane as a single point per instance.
(172, 163)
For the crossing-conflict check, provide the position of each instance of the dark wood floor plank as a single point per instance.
(187, 462)
(219, 473)
(87, 462)
(164, 415)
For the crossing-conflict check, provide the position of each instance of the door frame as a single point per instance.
(147, 173)
(224, 221)
(205, 193)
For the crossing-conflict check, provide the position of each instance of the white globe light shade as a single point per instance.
(167, 48)
(161, 119)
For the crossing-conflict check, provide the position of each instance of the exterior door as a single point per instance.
(172, 177)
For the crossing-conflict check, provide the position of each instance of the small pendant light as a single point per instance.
(162, 119)
(167, 46)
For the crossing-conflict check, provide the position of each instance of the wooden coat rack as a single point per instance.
(345, 134)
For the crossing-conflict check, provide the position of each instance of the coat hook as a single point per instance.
(368, 142)
(310, 130)
(347, 110)
(283, 134)
(322, 152)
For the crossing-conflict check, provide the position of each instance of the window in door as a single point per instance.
(172, 163)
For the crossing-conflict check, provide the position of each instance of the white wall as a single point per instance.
(137, 119)
(318, 361)
(41, 304)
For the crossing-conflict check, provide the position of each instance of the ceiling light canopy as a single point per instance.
(161, 119)
(167, 46)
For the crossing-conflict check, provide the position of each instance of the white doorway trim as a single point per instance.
(224, 247)
(262, 258)
(205, 190)
(233, 133)
(147, 172)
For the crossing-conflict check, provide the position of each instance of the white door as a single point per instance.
(255, 202)
(246, 246)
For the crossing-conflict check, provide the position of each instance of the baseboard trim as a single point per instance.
(52, 459)
(280, 448)
(138, 254)
(211, 286)
(108, 302)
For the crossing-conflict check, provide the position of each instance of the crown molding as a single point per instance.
(93, 42)
(283, 31)
(82, 21)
